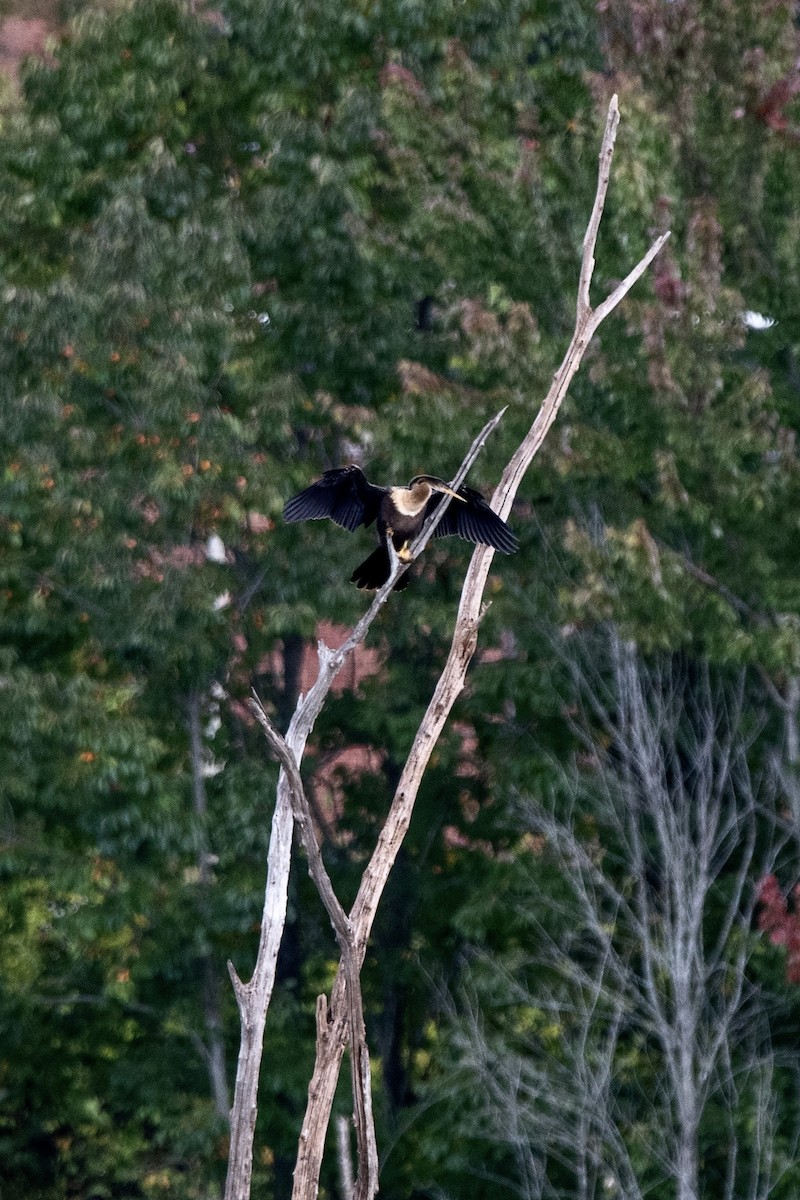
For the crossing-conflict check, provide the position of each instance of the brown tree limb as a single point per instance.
(451, 681)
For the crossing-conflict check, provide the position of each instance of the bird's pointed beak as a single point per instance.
(448, 491)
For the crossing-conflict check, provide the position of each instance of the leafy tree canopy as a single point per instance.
(243, 245)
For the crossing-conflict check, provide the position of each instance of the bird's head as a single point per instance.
(435, 484)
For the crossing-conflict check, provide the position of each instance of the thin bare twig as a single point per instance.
(710, 581)
(593, 228)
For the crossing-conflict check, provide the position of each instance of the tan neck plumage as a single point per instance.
(411, 501)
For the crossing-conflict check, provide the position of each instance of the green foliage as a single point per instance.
(241, 246)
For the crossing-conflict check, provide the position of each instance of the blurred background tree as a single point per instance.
(241, 245)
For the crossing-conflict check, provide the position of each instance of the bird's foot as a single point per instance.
(404, 554)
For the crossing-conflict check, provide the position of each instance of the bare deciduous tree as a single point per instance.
(214, 1044)
(662, 838)
(338, 1018)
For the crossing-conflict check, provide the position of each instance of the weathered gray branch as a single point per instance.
(344, 1157)
(367, 1180)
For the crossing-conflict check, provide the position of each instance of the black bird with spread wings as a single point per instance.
(348, 498)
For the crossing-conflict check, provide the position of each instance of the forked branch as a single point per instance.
(451, 681)
(367, 1181)
(337, 1022)
(253, 998)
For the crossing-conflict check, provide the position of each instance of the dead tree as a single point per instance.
(660, 837)
(340, 1018)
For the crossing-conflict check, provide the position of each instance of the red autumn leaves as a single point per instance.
(781, 923)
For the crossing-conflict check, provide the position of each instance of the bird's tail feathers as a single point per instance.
(373, 572)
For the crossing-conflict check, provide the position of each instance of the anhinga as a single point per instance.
(348, 498)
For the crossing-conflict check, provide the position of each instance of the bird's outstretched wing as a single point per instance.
(344, 494)
(472, 519)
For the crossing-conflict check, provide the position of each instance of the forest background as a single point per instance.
(240, 246)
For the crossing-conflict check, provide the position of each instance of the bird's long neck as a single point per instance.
(411, 500)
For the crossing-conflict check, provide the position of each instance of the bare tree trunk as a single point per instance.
(344, 1157)
(253, 1001)
(210, 985)
(212, 1013)
(686, 1163)
(785, 759)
